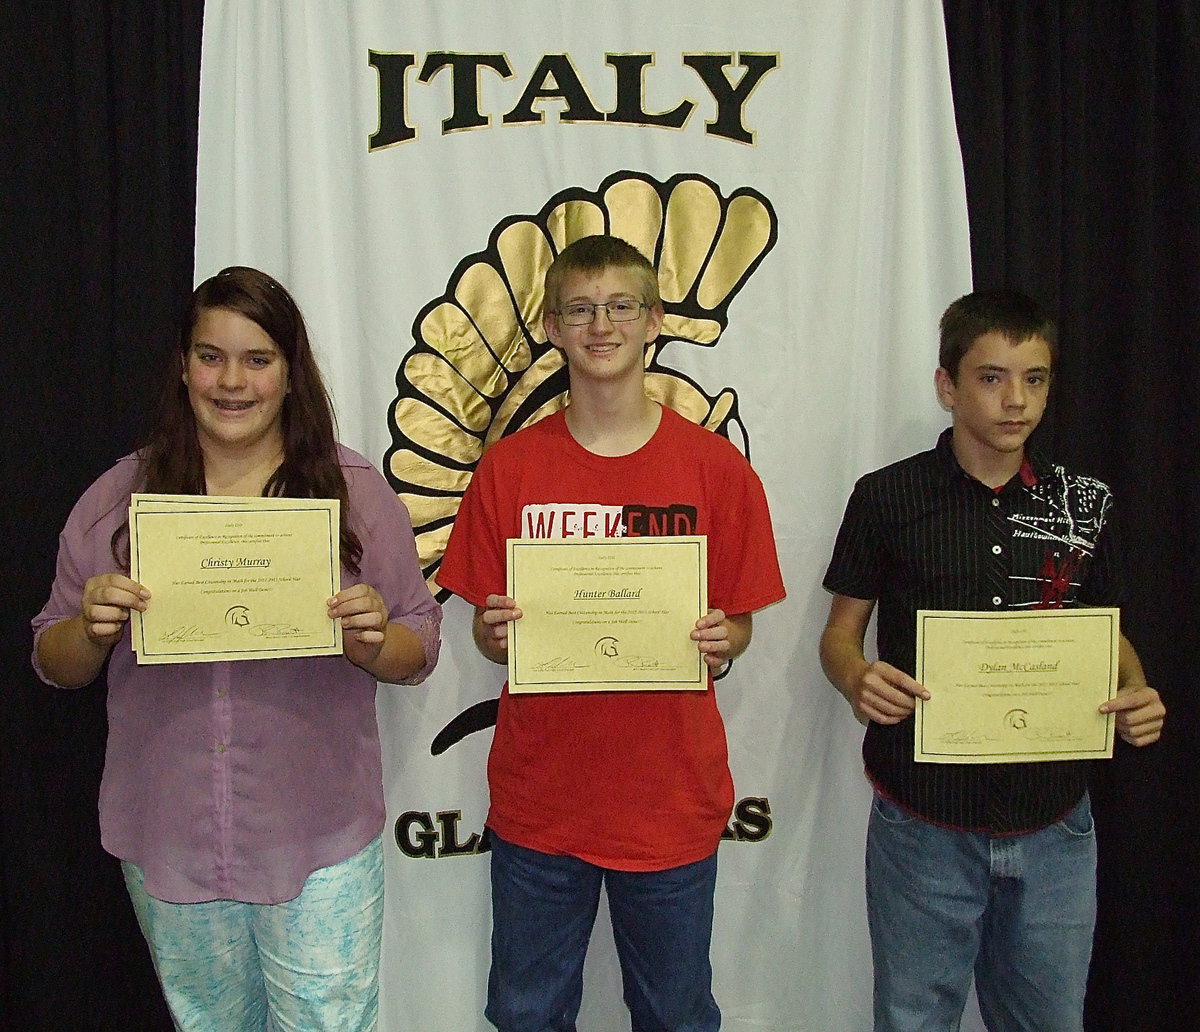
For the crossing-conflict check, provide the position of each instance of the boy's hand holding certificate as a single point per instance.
(234, 578)
(1016, 686)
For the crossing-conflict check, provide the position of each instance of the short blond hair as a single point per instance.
(593, 254)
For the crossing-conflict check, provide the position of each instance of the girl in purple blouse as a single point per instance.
(245, 799)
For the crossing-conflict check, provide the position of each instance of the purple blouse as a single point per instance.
(238, 780)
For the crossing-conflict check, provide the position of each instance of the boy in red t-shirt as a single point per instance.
(628, 788)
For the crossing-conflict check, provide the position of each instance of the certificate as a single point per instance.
(234, 578)
(1016, 686)
(607, 614)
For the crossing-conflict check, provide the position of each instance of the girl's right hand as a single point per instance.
(107, 600)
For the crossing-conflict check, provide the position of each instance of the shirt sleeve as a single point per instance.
(854, 570)
(1103, 585)
(744, 574)
(474, 564)
(84, 551)
(389, 562)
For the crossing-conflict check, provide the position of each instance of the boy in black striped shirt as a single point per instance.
(984, 869)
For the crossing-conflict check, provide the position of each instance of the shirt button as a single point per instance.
(222, 692)
(220, 747)
(996, 600)
(996, 503)
(996, 549)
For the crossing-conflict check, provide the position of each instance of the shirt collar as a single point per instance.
(1033, 464)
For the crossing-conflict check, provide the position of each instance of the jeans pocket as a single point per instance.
(1078, 823)
(891, 813)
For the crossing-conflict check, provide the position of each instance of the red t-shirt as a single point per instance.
(637, 780)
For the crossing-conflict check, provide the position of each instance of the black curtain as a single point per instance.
(1080, 131)
(1079, 125)
(99, 157)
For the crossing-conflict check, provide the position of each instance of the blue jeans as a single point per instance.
(1016, 910)
(543, 908)
(311, 964)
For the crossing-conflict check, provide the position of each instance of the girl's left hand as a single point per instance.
(364, 621)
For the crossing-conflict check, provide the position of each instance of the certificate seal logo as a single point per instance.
(237, 616)
(608, 647)
(1017, 719)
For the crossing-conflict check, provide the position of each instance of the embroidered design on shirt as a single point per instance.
(1075, 510)
(1055, 577)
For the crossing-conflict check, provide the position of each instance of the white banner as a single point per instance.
(408, 169)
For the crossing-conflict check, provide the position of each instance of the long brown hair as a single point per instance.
(171, 459)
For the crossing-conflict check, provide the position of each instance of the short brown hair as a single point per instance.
(1014, 315)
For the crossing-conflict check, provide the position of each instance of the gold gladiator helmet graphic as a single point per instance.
(481, 367)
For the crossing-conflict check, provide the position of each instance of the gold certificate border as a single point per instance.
(206, 507)
(1100, 746)
(692, 552)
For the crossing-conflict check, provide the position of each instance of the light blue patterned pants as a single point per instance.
(307, 965)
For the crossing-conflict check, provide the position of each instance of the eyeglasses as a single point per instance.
(582, 313)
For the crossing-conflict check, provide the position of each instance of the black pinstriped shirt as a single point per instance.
(923, 534)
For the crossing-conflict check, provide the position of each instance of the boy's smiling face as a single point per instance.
(602, 349)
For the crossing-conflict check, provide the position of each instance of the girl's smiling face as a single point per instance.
(237, 379)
